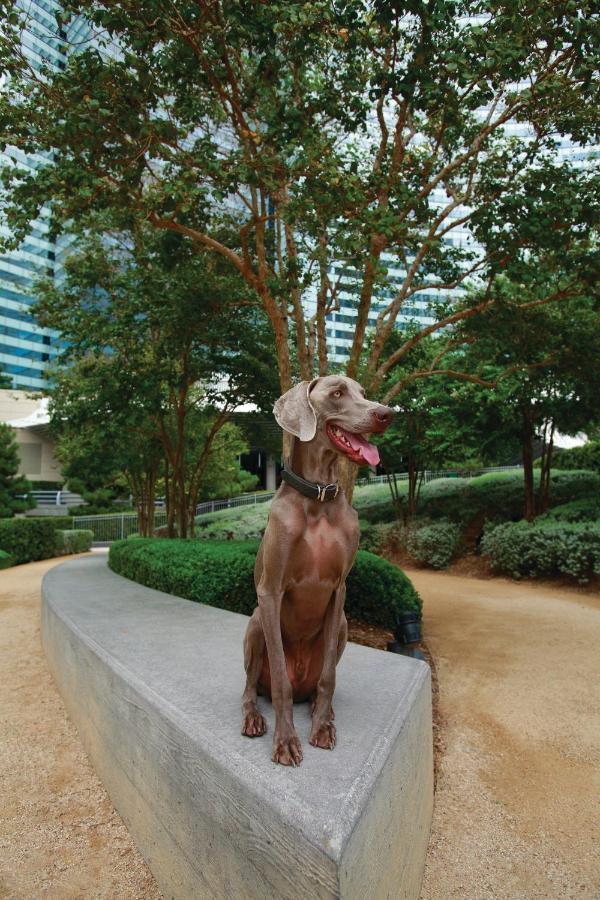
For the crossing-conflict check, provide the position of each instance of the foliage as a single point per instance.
(14, 488)
(544, 549)
(73, 540)
(230, 525)
(6, 560)
(165, 347)
(374, 537)
(496, 495)
(90, 509)
(434, 544)
(586, 509)
(333, 134)
(221, 574)
(585, 457)
(28, 539)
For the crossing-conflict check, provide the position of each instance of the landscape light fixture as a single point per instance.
(407, 633)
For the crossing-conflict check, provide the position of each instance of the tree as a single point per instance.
(105, 436)
(540, 382)
(336, 132)
(164, 352)
(14, 488)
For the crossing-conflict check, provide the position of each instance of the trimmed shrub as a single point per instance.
(498, 495)
(246, 524)
(587, 510)
(28, 539)
(434, 544)
(58, 522)
(382, 537)
(6, 560)
(584, 457)
(544, 549)
(221, 573)
(73, 540)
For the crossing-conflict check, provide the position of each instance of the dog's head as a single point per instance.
(333, 409)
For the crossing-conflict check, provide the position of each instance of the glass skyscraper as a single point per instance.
(26, 349)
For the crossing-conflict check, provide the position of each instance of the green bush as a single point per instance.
(6, 560)
(544, 549)
(498, 495)
(220, 573)
(94, 509)
(434, 544)
(587, 510)
(242, 524)
(28, 539)
(58, 522)
(73, 540)
(585, 457)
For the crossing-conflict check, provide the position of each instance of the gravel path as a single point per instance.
(517, 809)
(60, 837)
(516, 814)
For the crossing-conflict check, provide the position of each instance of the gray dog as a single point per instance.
(306, 553)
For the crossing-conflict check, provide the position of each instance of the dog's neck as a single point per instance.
(314, 461)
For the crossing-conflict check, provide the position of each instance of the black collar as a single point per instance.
(322, 492)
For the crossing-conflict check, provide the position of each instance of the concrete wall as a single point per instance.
(153, 684)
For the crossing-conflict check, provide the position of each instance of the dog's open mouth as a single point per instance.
(354, 446)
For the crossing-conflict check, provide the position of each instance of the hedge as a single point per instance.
(73, 540)
(498, 495)
(221, 573)
(585, 457)
(28, 539)
(434, 544)
(6, 560)
(544, 549)
(587, 510)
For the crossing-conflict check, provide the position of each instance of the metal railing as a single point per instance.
(57, 498)
(210, 506)
(116, 526)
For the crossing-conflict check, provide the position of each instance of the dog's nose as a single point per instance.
(383, 415)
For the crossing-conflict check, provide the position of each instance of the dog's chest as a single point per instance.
(326, 551)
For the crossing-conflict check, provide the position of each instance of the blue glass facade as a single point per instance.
(26, 349)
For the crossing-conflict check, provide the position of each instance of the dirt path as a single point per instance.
(59, 834)
(517, 806)
(516, 814)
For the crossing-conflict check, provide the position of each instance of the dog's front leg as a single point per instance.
(323, 732)
(286, 744)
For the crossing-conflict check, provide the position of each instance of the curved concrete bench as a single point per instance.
(153, 684)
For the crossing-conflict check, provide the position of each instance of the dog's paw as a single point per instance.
(254, 725)
(287, 751)
(324, 736)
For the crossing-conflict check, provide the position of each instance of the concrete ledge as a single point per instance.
(153, 684)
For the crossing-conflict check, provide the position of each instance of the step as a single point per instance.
(153, 684)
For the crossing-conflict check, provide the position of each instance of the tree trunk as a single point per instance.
(413, 486)
(527, 453)
(399, 509)
(347, 475)
(546, 467)
(169, 499)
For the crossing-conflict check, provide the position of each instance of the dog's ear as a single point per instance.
(295, 413)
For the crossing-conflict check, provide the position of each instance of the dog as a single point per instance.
(307, 550)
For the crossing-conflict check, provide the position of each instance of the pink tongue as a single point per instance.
(369, 452)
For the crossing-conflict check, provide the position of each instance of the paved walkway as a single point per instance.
(517, 812)
(60, 837)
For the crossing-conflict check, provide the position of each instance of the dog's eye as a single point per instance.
(337, 394)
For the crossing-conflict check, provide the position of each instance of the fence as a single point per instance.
(109, 528)
(57, 498)
(117, 526)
